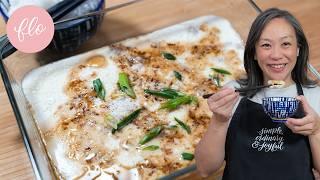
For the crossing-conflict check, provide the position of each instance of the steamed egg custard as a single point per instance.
(277, 84)
(133, 110)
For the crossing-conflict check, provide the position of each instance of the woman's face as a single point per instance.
(277, 50)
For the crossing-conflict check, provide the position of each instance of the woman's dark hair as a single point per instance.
(254, 72)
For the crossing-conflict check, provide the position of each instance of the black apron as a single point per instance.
(258, 149)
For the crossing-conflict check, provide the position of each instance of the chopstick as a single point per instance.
(62, 8)
(98, 12)
(206, 96)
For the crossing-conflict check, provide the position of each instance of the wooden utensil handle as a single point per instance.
(206, 96)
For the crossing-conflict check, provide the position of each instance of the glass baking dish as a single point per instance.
(137, 19)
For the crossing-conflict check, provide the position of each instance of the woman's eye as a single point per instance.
(266, 45)
(286, 44)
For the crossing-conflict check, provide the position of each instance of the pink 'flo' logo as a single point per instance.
(30, 29)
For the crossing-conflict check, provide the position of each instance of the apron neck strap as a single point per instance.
(299, 89)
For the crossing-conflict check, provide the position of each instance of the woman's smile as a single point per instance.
(277, 67)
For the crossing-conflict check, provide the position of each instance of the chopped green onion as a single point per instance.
(183, 125)
(127, 120)
(154, 132)
(187, 156)
(165, 93)
(174, 103)
(99, 89)
(151, 148)
(177, 75)
(221, 71)
(124, 85)
(168, 56)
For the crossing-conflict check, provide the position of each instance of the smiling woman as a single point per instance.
(241, 133)
(279, 37)
(276, 51)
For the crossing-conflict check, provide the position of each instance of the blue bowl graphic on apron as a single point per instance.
(279, 109)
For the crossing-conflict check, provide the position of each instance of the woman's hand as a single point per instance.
(316, 174)
(210, 151)
(222, 103)
(308, 125)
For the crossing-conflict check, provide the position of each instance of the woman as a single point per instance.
(241, 133)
